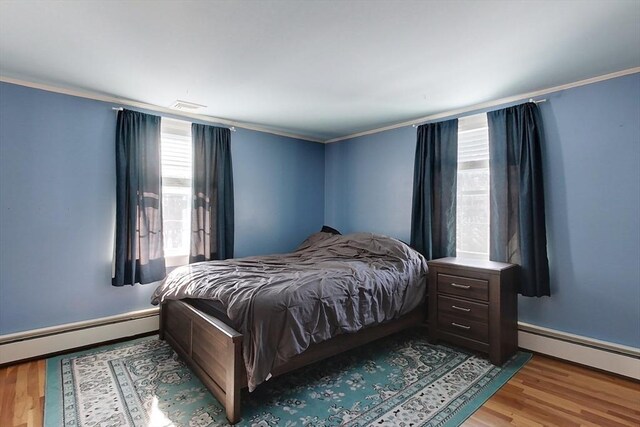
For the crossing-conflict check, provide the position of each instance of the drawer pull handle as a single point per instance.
(461, 308)
(457, 325)
(455, 285)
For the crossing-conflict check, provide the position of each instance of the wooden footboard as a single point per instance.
(213, 349)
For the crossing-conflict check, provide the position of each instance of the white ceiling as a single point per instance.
(322, 69)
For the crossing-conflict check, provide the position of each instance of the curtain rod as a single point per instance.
(232, 128)
(415, 125)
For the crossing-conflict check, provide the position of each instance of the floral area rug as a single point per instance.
(397, 381)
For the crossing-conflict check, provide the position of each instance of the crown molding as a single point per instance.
(249, 126)
(489, 104)
(142, 105)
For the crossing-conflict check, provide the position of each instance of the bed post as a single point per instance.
(233, 379)
(160, 322)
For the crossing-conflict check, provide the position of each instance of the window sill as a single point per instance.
(474, 255)
(176, 260)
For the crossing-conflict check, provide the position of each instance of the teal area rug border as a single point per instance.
(509, 369)
(53, 405)
(53, 388)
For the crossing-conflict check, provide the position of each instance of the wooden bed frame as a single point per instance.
(213, 349)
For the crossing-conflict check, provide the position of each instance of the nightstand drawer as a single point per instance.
(463, 286)
(466, 328)
(463, 309)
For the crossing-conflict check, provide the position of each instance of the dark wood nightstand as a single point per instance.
(473, 303)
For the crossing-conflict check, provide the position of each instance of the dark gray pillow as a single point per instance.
(327, 229)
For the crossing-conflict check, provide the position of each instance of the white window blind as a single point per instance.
(176, 160)
(176, 149)
(472, 227)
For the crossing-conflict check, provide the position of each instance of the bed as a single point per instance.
(239, 322)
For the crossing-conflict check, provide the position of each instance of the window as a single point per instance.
(472, 228)
(176, 162)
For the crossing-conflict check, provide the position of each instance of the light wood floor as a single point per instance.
(545, 392)
(22, 394)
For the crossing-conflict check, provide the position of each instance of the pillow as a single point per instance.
(327, 229)
(313, 239)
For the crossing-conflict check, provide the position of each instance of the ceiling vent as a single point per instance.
(186, 106)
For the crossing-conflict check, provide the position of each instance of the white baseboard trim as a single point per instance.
(40, 342)
(611, 357)
(619, 359)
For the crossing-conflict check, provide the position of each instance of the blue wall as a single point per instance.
(57, 206)
(279, 191)
(369, 183)
(592, 184)
(57, 203)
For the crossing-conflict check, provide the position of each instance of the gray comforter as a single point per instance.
(330, 285)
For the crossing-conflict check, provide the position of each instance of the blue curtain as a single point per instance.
(518, 229)
(433, 217)
(139, 254)
(212, 224)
